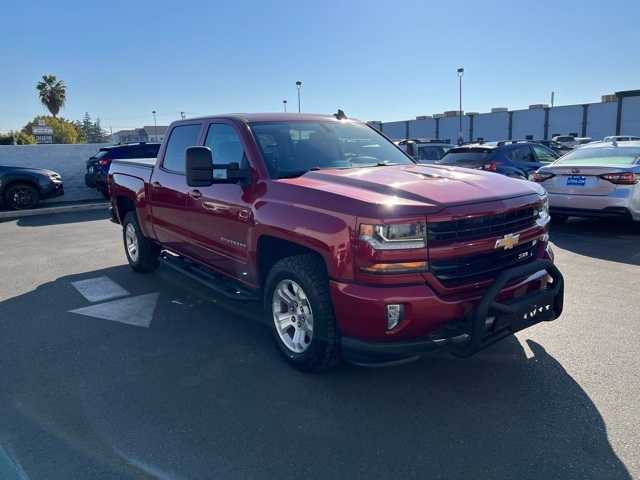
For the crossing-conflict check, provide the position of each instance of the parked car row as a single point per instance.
(595, 179)
(515, 159)
(97, 167)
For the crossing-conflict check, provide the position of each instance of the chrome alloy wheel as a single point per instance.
(292, 316)
(131, 240)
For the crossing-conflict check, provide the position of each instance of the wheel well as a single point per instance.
(124, 205)
(272, 249)
(20, 181)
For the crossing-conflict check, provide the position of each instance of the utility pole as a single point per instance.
(553, 94)
(460, 134)
(299, 85)
(182, 116)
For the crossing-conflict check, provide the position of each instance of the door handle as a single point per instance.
(195, 194)
(156, 184)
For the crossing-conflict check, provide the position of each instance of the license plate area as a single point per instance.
(576, 181)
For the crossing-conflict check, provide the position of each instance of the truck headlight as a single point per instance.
(543, 210)
(395, 236)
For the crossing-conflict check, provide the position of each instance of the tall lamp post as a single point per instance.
(460, 135)
(284, 104)
(299, 85)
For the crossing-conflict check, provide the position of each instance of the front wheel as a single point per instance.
(300, 312)
(21, 196)
(141, 252)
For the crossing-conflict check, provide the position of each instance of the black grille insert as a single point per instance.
(479, 227)
(458, 271)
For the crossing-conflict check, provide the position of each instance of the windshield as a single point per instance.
(457, 156)
(292, 148)
(610, 156)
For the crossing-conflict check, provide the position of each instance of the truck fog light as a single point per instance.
(395, 313)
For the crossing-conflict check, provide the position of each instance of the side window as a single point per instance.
(182, 137)
(543, 154)
(520, 154)
(132, 152)
(225, 144)
(150, 151)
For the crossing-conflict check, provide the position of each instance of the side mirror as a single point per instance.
(199, 167)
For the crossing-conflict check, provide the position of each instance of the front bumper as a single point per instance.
(497, 314)
(52, 190)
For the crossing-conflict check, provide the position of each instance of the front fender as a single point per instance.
(328, 233)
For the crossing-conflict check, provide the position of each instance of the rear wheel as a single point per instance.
(141, 252)
(21, 196)
(298, 304)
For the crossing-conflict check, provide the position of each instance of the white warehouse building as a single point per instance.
(617, 114)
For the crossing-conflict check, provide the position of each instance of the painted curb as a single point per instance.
(82, 207)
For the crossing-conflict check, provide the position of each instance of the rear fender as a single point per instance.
(133, 190)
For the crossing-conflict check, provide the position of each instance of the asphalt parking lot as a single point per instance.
(192, 386)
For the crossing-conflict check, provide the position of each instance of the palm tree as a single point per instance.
(52, 93)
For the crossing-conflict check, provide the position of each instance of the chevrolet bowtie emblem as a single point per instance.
(508, 241)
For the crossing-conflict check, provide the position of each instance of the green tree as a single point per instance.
(64, 131)
(20, 138)
(52, 93)
(92, 131)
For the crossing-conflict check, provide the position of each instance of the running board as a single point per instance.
(215, 281)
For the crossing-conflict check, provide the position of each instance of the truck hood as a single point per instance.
(427, 185)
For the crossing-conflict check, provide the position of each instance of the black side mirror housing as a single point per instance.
(199, 166)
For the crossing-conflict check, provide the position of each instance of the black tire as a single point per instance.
(147, 253)
(21, 196)
(558, 219)
(308, 271)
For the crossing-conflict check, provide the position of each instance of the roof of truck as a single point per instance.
(270, 117)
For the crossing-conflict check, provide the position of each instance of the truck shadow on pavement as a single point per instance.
(611, 240)
(202, 393)
(63, 218)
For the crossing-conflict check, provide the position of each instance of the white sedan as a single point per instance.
(601, 179)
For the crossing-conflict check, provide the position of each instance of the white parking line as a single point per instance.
(137, 311)
(99, 289)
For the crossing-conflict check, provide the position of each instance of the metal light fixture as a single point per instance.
(299, 85)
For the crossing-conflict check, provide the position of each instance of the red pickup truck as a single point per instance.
(354, 249)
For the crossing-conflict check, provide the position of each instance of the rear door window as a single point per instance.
(520, 153)
(544, 154)
(182, 137)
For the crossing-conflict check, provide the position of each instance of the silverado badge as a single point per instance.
(508, 241)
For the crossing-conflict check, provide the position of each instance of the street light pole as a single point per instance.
(299, 85)
(284, 103)
(460, 135)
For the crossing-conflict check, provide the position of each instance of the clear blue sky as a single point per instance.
(376, 60)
